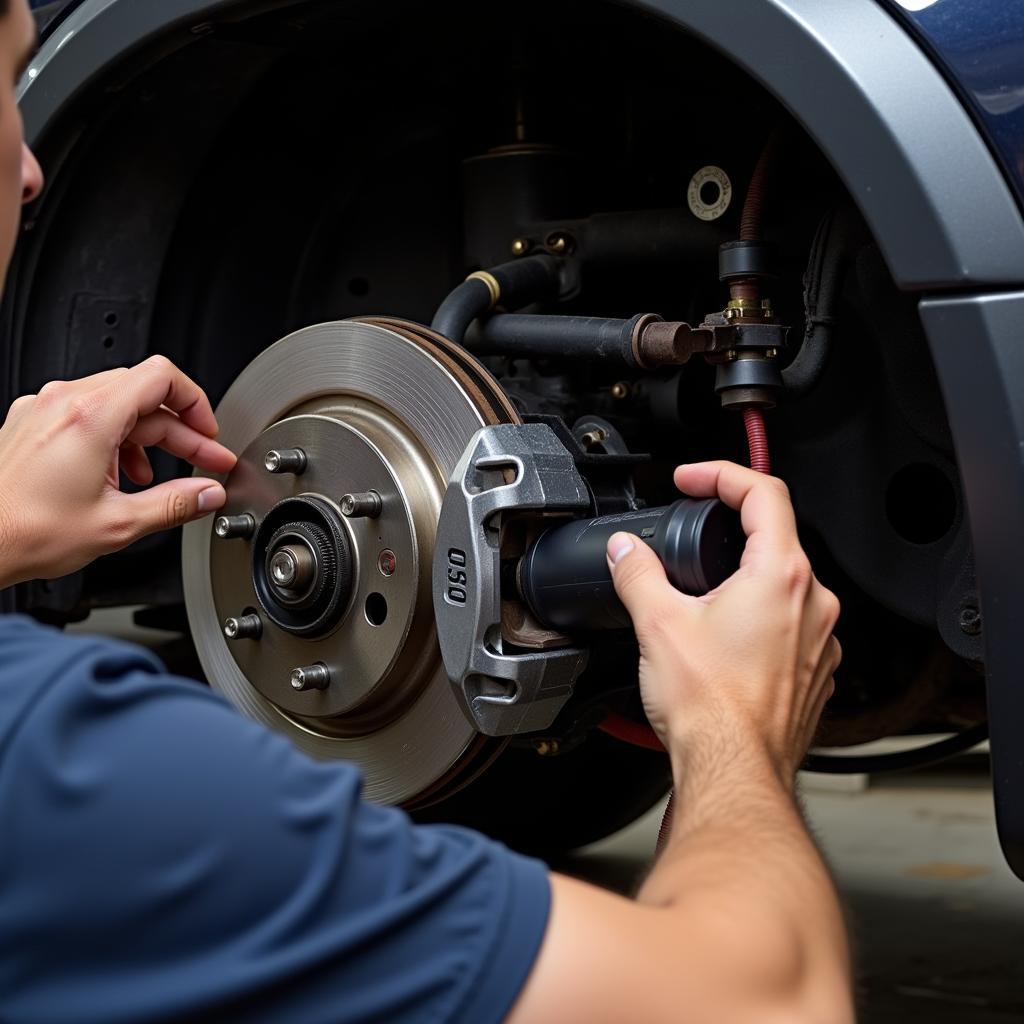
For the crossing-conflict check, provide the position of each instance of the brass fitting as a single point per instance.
(748, 309)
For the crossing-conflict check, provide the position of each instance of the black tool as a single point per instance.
(564, 576)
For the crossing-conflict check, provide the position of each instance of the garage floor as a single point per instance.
(937, 916)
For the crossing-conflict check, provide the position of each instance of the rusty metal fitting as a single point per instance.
(657, 342)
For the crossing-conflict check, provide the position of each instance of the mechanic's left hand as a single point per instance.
(61, 505)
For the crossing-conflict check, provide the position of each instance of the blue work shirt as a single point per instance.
(164, 859)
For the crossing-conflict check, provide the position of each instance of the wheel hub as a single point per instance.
(309, 597)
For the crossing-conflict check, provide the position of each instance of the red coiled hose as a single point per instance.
(757, 440)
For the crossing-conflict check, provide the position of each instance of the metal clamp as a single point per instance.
(505, 467)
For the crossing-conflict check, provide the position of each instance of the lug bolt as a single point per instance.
(970, 621)
(311, 677)
(364, 505)
(519, 246)
(234, 526)
(387, 563)
(285, 460)
(244, 627)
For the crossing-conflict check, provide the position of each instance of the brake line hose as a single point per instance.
(757, 439)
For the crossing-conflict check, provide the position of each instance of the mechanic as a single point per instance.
(164, 859)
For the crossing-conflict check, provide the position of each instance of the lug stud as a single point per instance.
(364, 505)
(234, 526)
(311, 677)
(285, 460)
(244, 627)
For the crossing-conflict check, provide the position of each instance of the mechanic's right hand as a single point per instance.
(61, 451)
(751, 663)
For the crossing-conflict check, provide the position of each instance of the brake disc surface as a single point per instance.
(383, 406)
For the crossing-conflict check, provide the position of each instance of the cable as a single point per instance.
(900, 760)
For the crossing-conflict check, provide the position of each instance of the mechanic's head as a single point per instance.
(21, 180)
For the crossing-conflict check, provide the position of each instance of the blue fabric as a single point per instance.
(164, 859)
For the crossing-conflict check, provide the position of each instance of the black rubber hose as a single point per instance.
(518, 283)
(526, 335)
(830, 253)
(901, 760)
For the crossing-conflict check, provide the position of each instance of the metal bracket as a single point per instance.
(505, 467)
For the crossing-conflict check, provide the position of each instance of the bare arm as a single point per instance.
(739, 920)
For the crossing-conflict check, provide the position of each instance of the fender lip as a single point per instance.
(82, 43)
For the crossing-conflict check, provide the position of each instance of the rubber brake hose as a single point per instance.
(514, 284)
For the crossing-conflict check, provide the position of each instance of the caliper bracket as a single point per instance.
(508, 467)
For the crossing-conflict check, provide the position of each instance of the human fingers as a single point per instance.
(163, 429)
(163, 507)
(157, 382)
(762, 501)
(641, 583)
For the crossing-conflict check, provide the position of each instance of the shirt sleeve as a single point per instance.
(164, 859)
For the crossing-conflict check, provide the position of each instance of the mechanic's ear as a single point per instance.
(31, 175)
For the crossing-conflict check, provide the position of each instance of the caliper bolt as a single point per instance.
(244, 627)
(311, 677)
(285, 460)
(364, 505)
(234, 526)
(970, 621)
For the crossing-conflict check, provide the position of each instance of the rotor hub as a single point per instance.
(319, 619)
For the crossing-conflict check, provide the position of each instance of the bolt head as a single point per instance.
(231, 628)
(348, 505)
(970, 621)
(272, 462)
(519, 246)
(387, 563)
(221, 526)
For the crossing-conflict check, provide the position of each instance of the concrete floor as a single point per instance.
(937, 917)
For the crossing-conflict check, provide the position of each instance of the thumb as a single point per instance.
(638, 575)
(171, 504)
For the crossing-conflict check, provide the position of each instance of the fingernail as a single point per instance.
(619, 545)
(211, 498)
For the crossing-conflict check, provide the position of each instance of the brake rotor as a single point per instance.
(332, 639)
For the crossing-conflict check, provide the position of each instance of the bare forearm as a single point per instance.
(740, 859)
